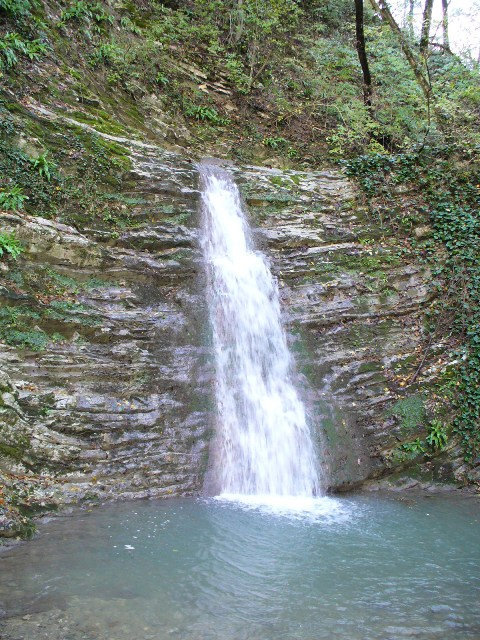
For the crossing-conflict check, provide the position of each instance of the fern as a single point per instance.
(9, 244)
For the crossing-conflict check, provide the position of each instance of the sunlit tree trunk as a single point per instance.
(410, 17)
(408, 7)
(426, 22)
(237, 22)
(362, 54)
(446, 40)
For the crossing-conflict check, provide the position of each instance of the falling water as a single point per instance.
(264, 448)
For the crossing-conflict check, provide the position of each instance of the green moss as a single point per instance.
(11, 452)
(71, 312)
(29, 339)
(21, 326)
(368, 367)
(118, 154)
(180, 218)
(15, 450)
(202, 403)
(360, 334)
(37, 279)
(120, 197)
(104, 124)
(373, 265)
(286, 182)
(96, 283)
(410, 412)
(277, 200)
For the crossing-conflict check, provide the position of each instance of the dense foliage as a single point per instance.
(446, 182)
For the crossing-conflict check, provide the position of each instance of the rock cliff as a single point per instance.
(110, 394)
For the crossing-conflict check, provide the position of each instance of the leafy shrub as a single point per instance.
(236, 73)
(162, 79)
(281, 144)
(205, 114)
(408, 450)
(129, 25)
(44, 166)
(12, 44)
(9, 244)
(106, 53)
(253, 28)
(16, 8)
(12, 199)
(436, 440)
(275, 143)
(437, 436)
(82, 10)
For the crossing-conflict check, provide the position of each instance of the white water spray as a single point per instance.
(264, 449)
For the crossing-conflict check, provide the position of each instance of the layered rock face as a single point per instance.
(119, 405)
(353, 306)
(119, 401)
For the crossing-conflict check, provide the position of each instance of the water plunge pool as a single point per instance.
(364, 567)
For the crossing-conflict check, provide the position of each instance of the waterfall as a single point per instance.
(263, 445)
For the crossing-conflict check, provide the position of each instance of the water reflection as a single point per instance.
(210, 569)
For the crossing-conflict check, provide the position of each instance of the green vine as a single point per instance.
(445, 184)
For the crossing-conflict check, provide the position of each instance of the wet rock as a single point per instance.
(9, 527)
(124, 405)
(422, 232)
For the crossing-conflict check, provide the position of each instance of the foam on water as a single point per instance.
(322, 509)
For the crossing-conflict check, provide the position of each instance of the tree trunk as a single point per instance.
(362, 54)
(446, 40)
(384, 11)
(410, 17)
(426, 22)
(236, 31)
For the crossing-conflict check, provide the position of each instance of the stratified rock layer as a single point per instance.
(121, 404)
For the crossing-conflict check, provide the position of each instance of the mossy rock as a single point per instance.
(410, 413)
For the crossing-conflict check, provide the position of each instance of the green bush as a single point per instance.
(12, 44)
(10, 245)
(44, 166)
(275, 143)
(82, 10)
(16, 8)
(408, 451)
(236, 73)
(205, 114)
(129, 25)
(437, 436)
(12, 199)
(107, 53)
(162, 79)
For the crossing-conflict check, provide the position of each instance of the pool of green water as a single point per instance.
(364, 567)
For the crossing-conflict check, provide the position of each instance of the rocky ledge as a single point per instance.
(107, 384)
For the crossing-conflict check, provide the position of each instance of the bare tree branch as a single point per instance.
(383, 9)
(446, 40)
